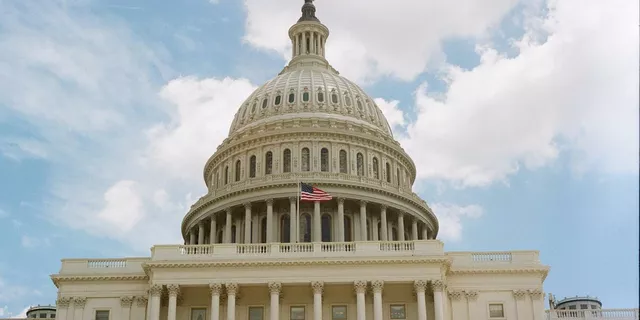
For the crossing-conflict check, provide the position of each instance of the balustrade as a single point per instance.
(610, 314)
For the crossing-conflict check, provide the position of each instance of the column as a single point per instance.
(317, 287)
(141, 313)
(363, 220)
(340, 219)
(420, 287)
(383, 223)
(149, 305)
(213, 236)
(274, 290)
(293, 220)
(519, 296)
(376, 287)
(173, 290)
(239, 232)
(400, 226)
(360, 288)
(537, 304)
(62, 306)
(317, 222)
(192, 237)
(155, 291)
(269, 220)
(425, 233)
(78, 306)
(201, 232)
(375, 233)
(227, 227)
(247, 223)
(215, 289)
(125, 303)
(472, 305)
(232, 290)
(438, 301)
(458, 311)
(414, 229)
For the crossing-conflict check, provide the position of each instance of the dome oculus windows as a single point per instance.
(320, 96)
(292, 97)
(278, 100)
(264, 103)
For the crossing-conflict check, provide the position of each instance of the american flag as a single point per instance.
(311, 193)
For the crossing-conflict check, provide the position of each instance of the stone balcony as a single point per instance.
(610, 314)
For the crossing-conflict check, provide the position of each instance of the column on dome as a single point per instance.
(414, 229)
(62, 306)
(155, 292)
(125, 304)
(377, 287)
(232, 290)
(318, 287)
(78, 306)
(383, 223)
(420, 287)
(425, 232)
(227, 227)
(274, 291)
(375, 232)
(173, 290)
(312, 42)
(438, 298)
(360, 288)
(363, 221)
(269, 220)
(213, 227)
(293, 220)
(239, 233)
(201, 232)
(215, 289)
(340, 231)
(192, 237)
(317, 222)
(401, 226)
(247, 223)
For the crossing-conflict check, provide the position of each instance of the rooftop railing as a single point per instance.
(608, 314)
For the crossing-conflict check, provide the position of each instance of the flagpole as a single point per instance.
(297, 235)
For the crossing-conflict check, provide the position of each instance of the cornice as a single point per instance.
(542, 271)
(57, 279)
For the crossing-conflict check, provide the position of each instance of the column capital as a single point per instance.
(232, 288)
(536, 294)
(363, 203)
(438, 285)
(293, 199)
(173, 289)
(142, 301)
(456, 295)
(275, 287)
(269, 202)
(228, 210)
(383, 207)
(215, 288)
(471, 295)
(420, 285)
(360, 286)
(247, 205)
(155, 290)
(340, 201)
(126, 301)
(377, 286)
(519, 294)
(79, 302)
(400, 214)
(63, 302)
(201, 223)
(317, 287)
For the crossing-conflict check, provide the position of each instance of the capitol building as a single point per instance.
(309, 214)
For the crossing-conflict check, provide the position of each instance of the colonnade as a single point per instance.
(362, 225)
(317, 287)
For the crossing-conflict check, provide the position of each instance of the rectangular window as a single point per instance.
(297, 313)
(199, 314)
(398, 311)
(584, 306)
(496, 310)
(256, 313)
(102, 314)
(338, 312)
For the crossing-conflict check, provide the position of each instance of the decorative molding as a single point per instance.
(438, 285)
(317, 287)
(173, 289)
(456, 295)
(519, 294)
(215, 289)
(63, 302)
(126, 301)
(57, 279)
(141, 301)
(360, 286)
(79, 302)
(471, 295)
(536, 294)
(247, 205)
(542, 271)
(420, 286)
(232, 288)
(155, 290)
(275, 287)
(377, 286)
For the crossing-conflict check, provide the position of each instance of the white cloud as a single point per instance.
(392, 112)
(35, 242)
(124, 208)
(3, 214)
(22, 314)
(577, 91)
(370, 39)
(451, 216)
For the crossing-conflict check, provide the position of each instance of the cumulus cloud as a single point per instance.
(452, 216)
(35, 241)
(576, 91)
(369, 37)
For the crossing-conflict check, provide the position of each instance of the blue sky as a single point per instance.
(521, 117)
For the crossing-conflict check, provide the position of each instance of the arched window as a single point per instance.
(326, 228)
(320, 96)
(286, 160)
(334, 97)
(376, 171)
(263, 230)
(233, 234)
(398, 177)
(264, 103)
(347, 229)
(359, 105)
(305, 228)
(268, 163)
(252, 167)
(278, 100)
(253, 109)
(388, 172)
(285, 224)
(305, 96)
(324, 160)
(305, 159)
(347, 100)
(226, 175)
(244, 112)
(343, 161)
(360, 164)
(292, 97)
(238, 170)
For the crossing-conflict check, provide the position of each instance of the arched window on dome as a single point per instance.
(305, 96)
(376, 169)
(305, 159)
(347, 229)
(226, 175)
(264, 103)
(286, 160)
(326, 228)
(292, 97)
(305, 228)
(324, 160)
(360, 105)
(252, 167)
(244, 111)
(268, 162)
(388, 172)
(278, 100)
(360, 164)
(238, 170)
(263, 230)
(347, 100)
(253, 109)
(320, 96)
(285, 223)
(334, 98)
(398, 177)
(343, 161)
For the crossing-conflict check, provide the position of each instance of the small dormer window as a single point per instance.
(253, 109)
(305, 96)
(320, 96)
(359, 105)
(264, 103)
(292, 97)
(278, 100)
(334, 98)
(347, 100)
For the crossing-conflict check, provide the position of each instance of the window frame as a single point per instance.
(346, 311)
(107, 310)
(304, 312)
(249, 307)
(501, 303)
(404, 307)
(324, 160)
(199, 308)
